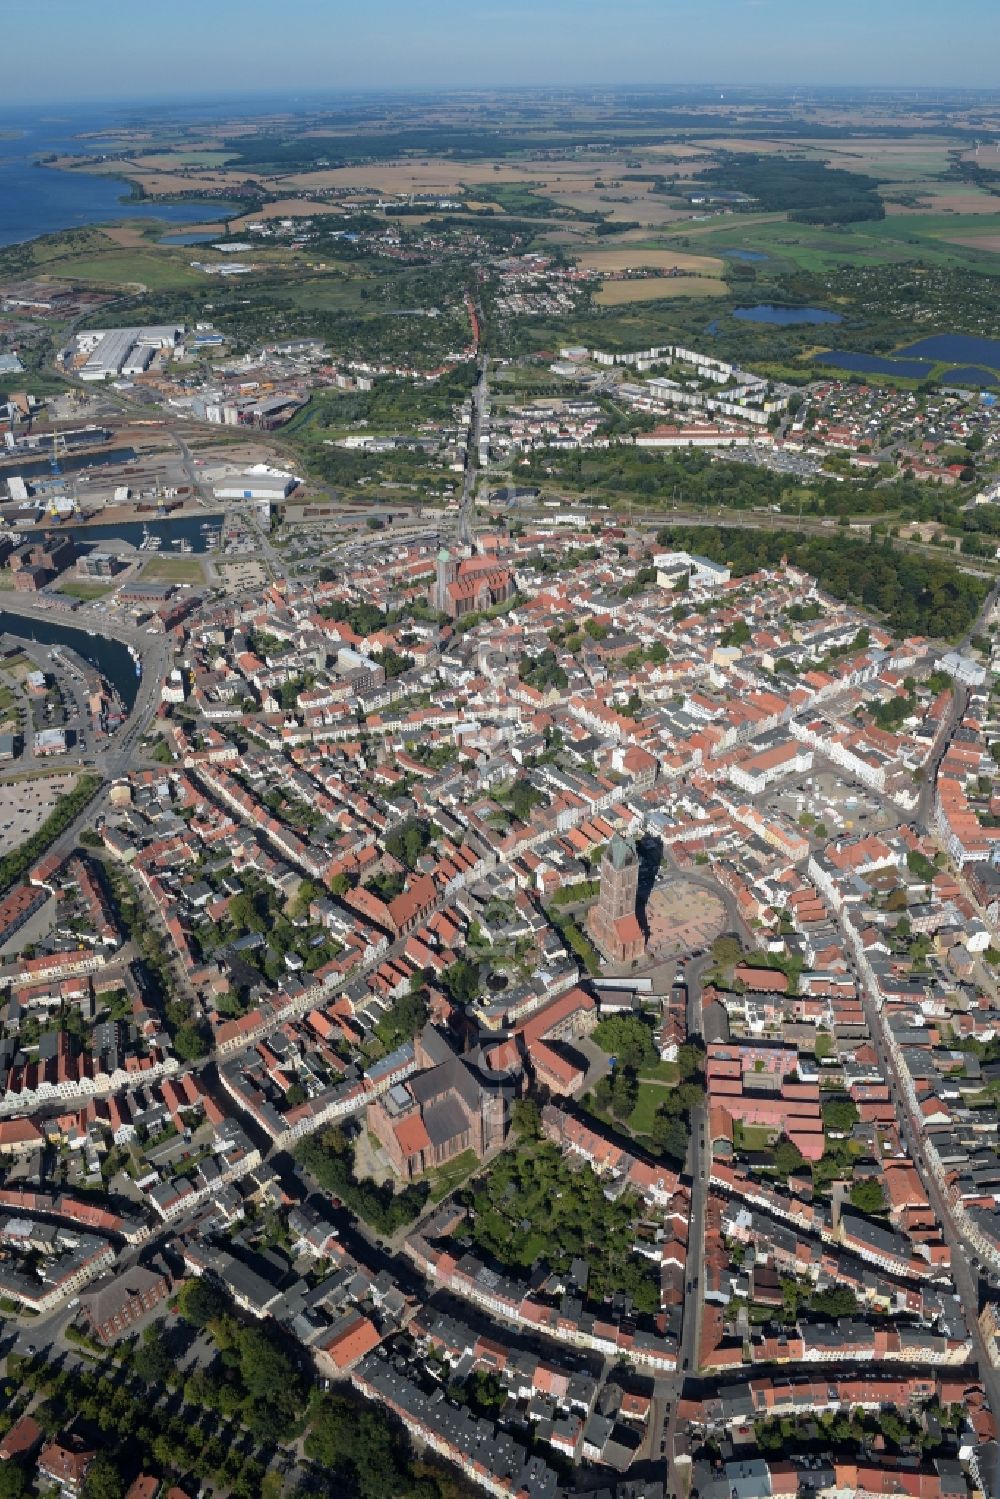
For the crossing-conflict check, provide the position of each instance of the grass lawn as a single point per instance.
(752, 1136)
(650, 1098)
(87, 590)
(160, 272)
(660, 1072)
(337, 293)
(447, 1178)
(173, 570)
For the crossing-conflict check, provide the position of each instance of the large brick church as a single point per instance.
(443, 1110)
(470, 585)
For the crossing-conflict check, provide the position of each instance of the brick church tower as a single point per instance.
(612, 922)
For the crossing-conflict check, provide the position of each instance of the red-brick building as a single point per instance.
(612, 922)
(116, 1302)
(438, 1114)
(470, 585)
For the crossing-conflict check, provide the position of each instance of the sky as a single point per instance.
(68, 50)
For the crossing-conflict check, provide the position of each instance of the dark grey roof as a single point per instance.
(450, 1076)
(445, 1119)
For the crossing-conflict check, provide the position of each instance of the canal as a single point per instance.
(193, 529)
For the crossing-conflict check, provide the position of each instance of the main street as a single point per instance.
(667, 1391)
(965, 1280)
(480, 395)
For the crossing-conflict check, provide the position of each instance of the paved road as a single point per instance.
(964, 1278)
(480, 396)
(667, 1392)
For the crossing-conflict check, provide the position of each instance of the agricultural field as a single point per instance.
(643, 257)
(657, 288)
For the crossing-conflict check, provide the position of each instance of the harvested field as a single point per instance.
(634, 258)
(433, 175)
(954, 201)
(286, 208)
(126, 236)
(657, 288)
(987, 242)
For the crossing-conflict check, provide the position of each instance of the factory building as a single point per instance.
(259, 483)
(111, 352)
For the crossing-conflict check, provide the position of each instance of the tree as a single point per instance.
(835, 1301)
(737, 633)
(893, 1428)
(152, 1361)
(103, 1480)
(602, 1094)
(867, 1196)
(628, 1038)
(190, 1042)
(689, 1060)
(307, 892)
(787, 1157)
(461, 980)
(407, 842)
(526, 1119)
(201, 1301)
(624, 1092)
(13, 1483)
(405, 1020)
(244, 915)
(669, 1135)
(897, 899)
(918, 863)
(840, 1115)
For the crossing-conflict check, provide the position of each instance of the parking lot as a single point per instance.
(25, 804)
(837, 803)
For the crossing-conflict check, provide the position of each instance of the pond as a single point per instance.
(201, 238)
(970, 376)
(784, 317)
(876, 364)
(957, 348)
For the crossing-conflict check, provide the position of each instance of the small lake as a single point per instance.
(109, 656)
(957, 348)
(187, 239)
(784, 317)
(970, 378)
(877, 364)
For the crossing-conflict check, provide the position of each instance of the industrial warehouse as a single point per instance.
(109, 352)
